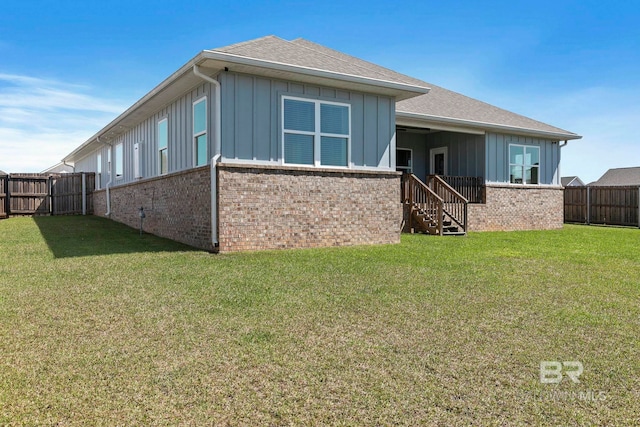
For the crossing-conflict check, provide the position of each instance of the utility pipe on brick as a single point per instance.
(216, 155)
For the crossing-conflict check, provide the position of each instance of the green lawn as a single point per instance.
(99, 326)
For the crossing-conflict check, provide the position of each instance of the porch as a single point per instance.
(457, 158)
(443, 172)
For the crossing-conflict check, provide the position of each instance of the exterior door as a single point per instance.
(404, 161)
(438, 161)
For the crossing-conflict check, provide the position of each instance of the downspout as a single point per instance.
(73, 168)
(564, 144)
(217, 138)
(107, 187)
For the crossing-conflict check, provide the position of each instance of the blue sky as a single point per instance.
(67, 68)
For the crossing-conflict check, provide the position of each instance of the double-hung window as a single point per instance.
(315, 132)
(119, 161)
(163, 146)
(200, 131)
(524, 164)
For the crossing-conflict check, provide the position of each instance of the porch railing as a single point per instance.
(455, 204)
(471, 187)
(420, 197)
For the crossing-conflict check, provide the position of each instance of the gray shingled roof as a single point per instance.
(619, 177)
(566, 180)
(304, 53)
(438, 103)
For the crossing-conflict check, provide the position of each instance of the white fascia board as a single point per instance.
(427, 119)
(299, 69)
(116, 124)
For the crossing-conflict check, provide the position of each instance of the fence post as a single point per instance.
(84, 193)
(7, 204)
(638, 206)
(588, 205)
(50, 195)
(7, 199)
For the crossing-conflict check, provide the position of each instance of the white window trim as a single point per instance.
(161, 149)
(205, 132)
(410, 150)
(318, 134)
(121, 162)
(524, 164)
(98, 177)
(432, 159)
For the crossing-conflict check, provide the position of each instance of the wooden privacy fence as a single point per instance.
(602, 205)
(40, 194)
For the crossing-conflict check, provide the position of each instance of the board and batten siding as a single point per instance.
(497, 162)
(251, 120)
(465, 152)
(179, 114)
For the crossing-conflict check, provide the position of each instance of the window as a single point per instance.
(315, 132)
(403, 160)
(98, 170)
(119, 161)
(200, 132)
(163, 145)
(524, 164)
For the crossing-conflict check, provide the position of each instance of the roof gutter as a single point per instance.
(299, 69)
(242, 60)
(153, 93)
(487, 126)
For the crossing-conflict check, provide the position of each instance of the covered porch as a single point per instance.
(458, 158)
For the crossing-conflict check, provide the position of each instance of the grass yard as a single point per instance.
(99, 326)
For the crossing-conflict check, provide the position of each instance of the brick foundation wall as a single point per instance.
(267, 207)
(177, 206)
(512, 207)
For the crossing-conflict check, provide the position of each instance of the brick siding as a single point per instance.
(177, 206)
(513, 207)
(267, 207)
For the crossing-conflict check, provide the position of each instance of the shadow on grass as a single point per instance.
(76, 236)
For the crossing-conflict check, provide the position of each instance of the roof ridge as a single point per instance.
(626, 167)
(246, 42)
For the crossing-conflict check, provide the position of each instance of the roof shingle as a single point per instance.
(438, 103)
(619, 177)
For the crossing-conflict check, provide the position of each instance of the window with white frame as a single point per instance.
(98, 171)
(315, 132)
(119, 161)
(524, 164)
(200, 131)
(163, 146)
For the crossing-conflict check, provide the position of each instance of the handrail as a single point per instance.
(455, 204)
(420, 197)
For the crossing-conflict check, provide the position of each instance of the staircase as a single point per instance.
(435, 208)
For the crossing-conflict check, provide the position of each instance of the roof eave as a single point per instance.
(486, 126)
(215, 61)
(160, 94)
(239, 63)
